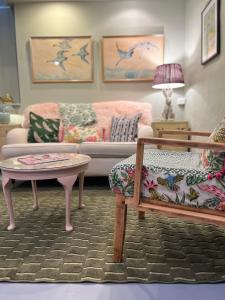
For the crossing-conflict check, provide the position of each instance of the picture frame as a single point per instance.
(61, 59)
(131, 58)
(210, 31)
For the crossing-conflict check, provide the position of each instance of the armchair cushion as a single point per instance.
(174, 177)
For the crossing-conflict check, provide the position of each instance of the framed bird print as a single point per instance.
(131, 58)
(61, 59)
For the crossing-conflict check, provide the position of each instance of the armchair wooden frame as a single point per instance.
(210, 216)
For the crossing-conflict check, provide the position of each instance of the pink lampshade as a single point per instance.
(168, 76)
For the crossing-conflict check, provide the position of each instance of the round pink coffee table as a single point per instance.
(65, 171)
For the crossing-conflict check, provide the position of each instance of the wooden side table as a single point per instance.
(171, 125)
(4, 129)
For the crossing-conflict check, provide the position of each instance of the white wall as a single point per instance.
(8, 61)
(98, 19)
(205, 92)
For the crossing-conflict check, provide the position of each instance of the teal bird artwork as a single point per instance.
(170, 181)
(124, 54)
(59, 59)
(129, 53)
(83, 53)
(64, 45)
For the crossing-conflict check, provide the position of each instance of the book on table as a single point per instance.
(42, 158)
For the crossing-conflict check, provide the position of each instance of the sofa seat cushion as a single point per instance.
(13, 150)
(108, 149)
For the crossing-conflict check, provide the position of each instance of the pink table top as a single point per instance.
(69, 160)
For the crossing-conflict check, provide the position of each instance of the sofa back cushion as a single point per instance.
(105, 111)
(48, 110)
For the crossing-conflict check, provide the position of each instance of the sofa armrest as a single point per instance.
(145, 131)
(17, 136)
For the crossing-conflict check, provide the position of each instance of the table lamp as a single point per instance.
(168, 77)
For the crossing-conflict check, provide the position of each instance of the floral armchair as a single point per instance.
(179, 183)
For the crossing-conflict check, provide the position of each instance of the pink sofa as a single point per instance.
(104, 154)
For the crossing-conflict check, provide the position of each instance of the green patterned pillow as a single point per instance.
(43, 130)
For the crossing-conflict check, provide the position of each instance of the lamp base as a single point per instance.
(168, 113)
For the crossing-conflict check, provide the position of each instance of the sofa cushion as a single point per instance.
(107, 109)
(108, 149)
(77, 114)
(43, 130)
(75, 134)
(13, 150)
(124, 129)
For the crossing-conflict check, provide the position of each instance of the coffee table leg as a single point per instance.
(81, 188)
(7, 195)
(67, 183)
(34, 189)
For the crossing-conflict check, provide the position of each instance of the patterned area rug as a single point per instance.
(157, 249)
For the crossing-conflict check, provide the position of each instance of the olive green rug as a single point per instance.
(157, 249)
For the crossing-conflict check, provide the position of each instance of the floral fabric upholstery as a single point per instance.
(75, 134)
(77, 114)
(215, 159)
(176, 177)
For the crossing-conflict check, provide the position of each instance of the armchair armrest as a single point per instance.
(183, 132)
(181, 143)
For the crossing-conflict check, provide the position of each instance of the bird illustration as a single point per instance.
(64, 45)
(193, 194)
(146, 45)
(59, 59)
(170, 181)
(124, 54)
(82, 53)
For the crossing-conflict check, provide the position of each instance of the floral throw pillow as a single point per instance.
(212, 159)
(81, 114)
(75, 134)
(43, 130)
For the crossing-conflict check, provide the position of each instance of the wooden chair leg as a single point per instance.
(120, 227)
(141, 214)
